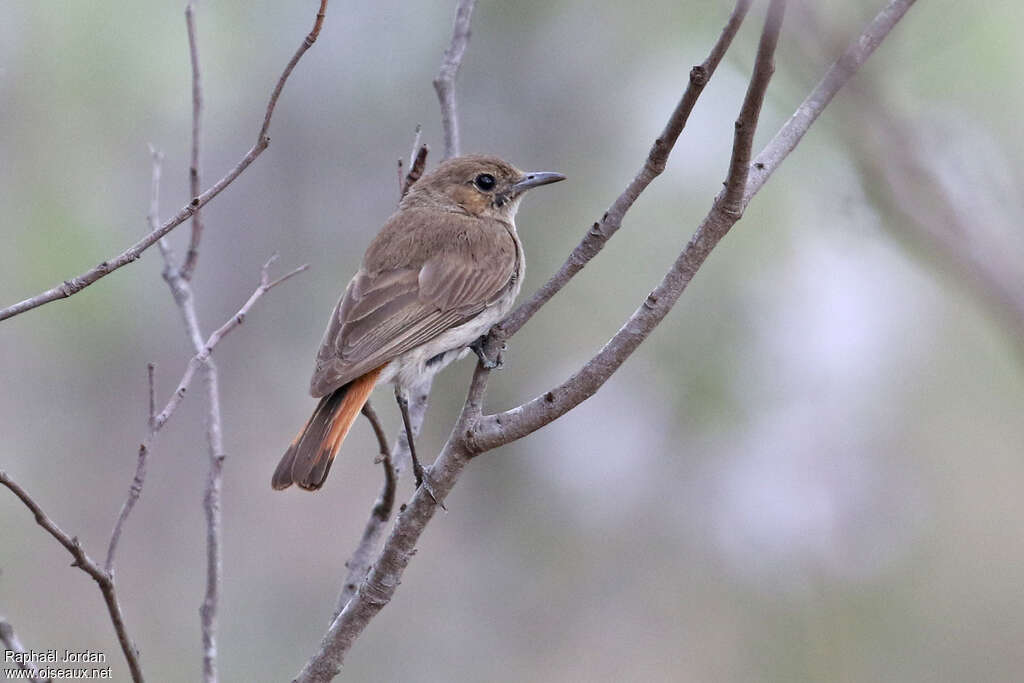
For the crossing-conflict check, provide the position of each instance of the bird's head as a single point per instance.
(482, 186)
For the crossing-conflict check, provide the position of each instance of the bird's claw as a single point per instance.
(423, 479)
(489, 364)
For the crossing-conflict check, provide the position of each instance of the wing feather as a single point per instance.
(388, 311)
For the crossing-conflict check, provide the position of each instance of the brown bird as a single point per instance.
(444, 268)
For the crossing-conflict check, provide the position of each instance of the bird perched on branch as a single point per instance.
(443, 270)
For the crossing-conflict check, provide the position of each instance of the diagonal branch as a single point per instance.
(82, 560)
(132, 253)
(362, 558)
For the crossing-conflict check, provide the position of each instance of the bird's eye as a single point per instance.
(485, 181)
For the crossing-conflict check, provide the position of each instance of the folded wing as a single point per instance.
(386, 312)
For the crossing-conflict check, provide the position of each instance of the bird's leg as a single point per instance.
(402, 397)
(479, 347)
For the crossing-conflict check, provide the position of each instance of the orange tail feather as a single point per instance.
(308, 460)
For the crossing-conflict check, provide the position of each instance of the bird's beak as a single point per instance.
(536, 179)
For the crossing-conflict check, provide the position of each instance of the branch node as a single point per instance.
(699, 76)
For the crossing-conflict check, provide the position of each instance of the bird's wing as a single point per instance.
(383, 314)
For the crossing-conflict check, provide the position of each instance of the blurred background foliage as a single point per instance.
(811, 471)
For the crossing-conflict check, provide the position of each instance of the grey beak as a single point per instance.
(536, 179)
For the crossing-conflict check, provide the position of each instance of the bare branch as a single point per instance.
(211, 509)
(77, 284)
(82, 560)
(601, 231)
(195, 168)
(362, 558)
(12, 644)
(382, 581)
(444, 84)
(382, 510)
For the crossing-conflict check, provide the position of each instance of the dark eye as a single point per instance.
(485, 181)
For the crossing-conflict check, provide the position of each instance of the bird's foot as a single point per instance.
(479, 347)
(423, 479)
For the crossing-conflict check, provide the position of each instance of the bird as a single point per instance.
(445, 268)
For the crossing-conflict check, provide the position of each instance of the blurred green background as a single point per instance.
(810, 472)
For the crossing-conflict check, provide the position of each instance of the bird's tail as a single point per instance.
(308, 460)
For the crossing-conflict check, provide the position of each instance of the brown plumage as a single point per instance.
(443, 269)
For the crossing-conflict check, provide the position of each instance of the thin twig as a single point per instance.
(132, 253)
(150, 368)
(195, 168)
(417, 136)
(601, 231)
(139, 479)
(444, 84)
(86, 564)
(12, 644)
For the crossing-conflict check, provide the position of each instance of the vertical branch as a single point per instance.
(194, 170)
(211, 508)
(444, 84)
(179, 283)
(731, 199)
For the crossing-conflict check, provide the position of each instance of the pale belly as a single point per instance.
(419, 365)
